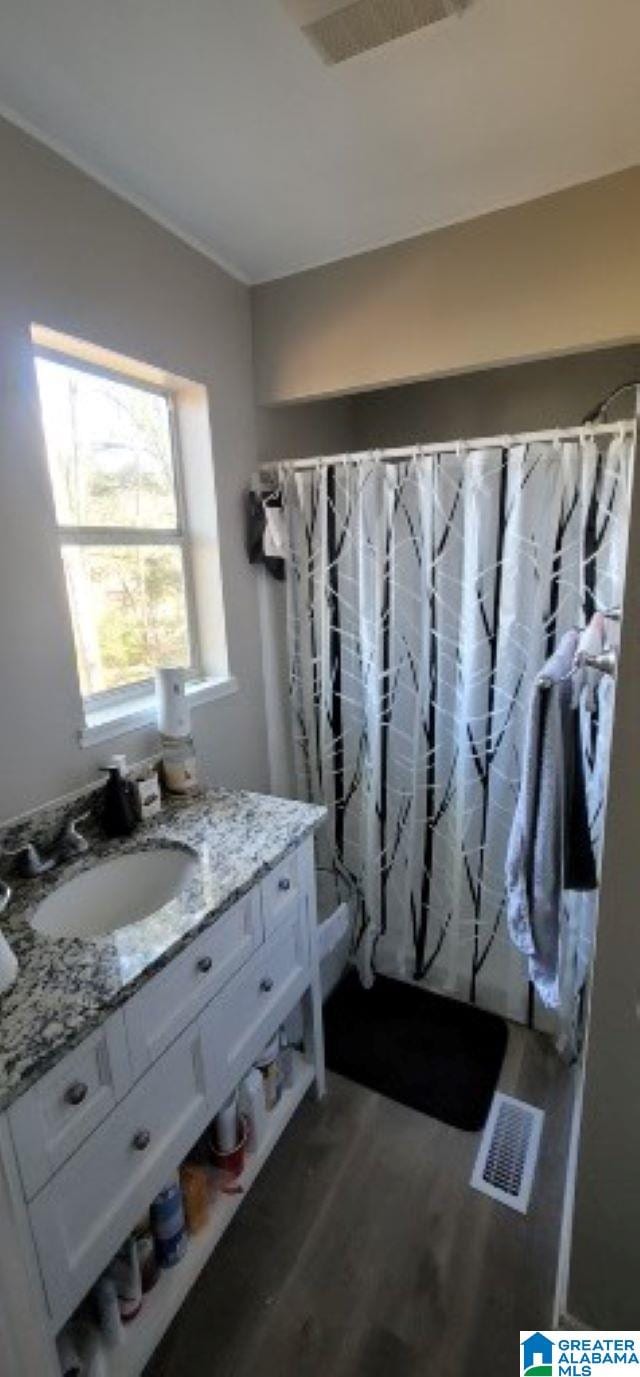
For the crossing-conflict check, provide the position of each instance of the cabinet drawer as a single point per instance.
(175, 996)
(248, 1012)
(53, 1118)
(280, 893)
(82, 1216)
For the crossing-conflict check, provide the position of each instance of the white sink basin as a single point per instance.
(114, 893)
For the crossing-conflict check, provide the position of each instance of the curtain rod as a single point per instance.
(455, 446)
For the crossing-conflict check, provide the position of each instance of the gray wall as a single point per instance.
(527, 396)
(78, 259)
(554, 276)
(304, 429)
(604, 1281)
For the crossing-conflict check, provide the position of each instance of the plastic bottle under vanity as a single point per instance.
(125, 1270)
(108, 1311)
(268, 1064)
(146, 1248)
(225, 1127)
(92, 1352)
(195, 1180)
(68, 1352)
(168, 1224)
(286, 1060)
(254, 1108)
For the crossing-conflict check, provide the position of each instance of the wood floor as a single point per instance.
(362, 1251)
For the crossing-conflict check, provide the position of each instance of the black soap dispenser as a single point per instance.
(118, 805)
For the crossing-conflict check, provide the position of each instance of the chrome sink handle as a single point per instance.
(71, 842)
(5, 895)
(28, 862)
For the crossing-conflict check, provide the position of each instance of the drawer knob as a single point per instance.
(204, 964)
(284, 884)
(76, 1093)
(266, 984)
(141, 1139)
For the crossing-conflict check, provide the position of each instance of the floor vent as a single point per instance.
(508, 1154)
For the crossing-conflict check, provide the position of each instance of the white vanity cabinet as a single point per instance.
(81, 1217)
(171, 1001)
(238, 1024)
(68, 1103)
(86, 1148)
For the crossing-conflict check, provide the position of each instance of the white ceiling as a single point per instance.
(218, 118)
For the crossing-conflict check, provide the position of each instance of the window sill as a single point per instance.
(103, 724)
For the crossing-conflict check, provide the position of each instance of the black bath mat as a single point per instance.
(422, 1049)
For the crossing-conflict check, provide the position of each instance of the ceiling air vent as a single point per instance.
(340, 31)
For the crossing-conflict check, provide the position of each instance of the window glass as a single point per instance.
(109, 448)
(128, 611)
(112, 460)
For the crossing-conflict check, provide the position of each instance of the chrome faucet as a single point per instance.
(29, 861)
(71, 842)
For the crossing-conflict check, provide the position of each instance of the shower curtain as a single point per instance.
(422, 599)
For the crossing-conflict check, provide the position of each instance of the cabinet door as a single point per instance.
(56, 1115)
(174, 998)
(82, 1216)
(249, 1010)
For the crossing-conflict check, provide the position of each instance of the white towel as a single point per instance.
(535, 859)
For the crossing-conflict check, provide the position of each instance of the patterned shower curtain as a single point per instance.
(422, 599)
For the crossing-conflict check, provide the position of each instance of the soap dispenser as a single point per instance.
(118, 802)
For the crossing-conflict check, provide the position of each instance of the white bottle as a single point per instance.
(174, 718)
(125, 1270)
(108, 1311)
(286, 1060)
(253, 1106)
(92, 1351)
(68, 1355)
(95, 1360)
(226, 1125)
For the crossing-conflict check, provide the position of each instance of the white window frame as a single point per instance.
(175, 536)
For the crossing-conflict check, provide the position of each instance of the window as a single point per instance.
(112, 451)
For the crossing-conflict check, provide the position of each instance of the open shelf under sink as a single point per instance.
(162, 1303)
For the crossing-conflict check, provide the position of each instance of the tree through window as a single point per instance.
(114, 470)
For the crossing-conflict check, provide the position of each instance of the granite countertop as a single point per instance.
(67, 986)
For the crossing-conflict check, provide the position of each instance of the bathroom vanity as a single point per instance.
(118, 1048)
